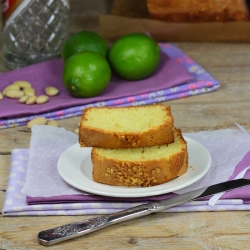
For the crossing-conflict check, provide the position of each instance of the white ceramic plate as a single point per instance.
(75, 167)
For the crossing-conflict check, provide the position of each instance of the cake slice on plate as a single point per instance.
(146, 166)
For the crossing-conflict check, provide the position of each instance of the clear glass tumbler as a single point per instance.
(33, 30)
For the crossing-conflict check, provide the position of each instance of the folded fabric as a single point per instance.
(42, 178)
(177, 76)
(15, 201)
(48, 143)
(241, 193)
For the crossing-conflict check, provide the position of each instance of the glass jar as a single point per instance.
(33, 30)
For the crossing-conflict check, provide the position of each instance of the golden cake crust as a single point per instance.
(91, 136)
(153, 172)
(198, 11)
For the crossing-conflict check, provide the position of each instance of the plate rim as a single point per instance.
(92, 191)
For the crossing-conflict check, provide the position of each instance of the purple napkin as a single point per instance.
(241, 193)
(179, 77)
(90, 198)
(15, 201)
(49, 73)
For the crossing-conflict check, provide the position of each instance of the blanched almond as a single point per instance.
(22, 84)
(42, 99)
(31, 100)
(51, 91)
(29, 91)
(37, 121)
(12, 93)
(76, 130)
(53, 123)
(10, 87)
(23, 99)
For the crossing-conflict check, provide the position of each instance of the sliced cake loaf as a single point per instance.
(147, 166)
(126, 127)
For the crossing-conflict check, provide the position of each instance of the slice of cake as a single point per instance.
(146, 166)
(126, 127)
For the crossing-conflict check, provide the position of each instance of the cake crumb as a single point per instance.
(193, 168)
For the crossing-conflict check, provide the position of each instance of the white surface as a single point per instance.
(75, 167)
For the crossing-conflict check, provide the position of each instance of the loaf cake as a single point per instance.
(147, 166)
(198, 11)
(126, 127)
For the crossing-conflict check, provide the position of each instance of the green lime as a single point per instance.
(86, 74)
(84, 41)
(134, 56)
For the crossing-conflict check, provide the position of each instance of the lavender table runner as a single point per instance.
(178, 76)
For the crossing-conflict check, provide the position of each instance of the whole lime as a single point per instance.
(84, 41)
(86, 74)
(134, 56)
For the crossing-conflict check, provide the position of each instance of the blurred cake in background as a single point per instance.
(198, 11)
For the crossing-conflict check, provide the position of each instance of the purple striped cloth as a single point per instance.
(17, 204)
(177, 76)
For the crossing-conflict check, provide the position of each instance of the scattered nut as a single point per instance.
(76, 130)
(11, 87)
(11, 93)
(51, 91)
(26, 94)
(37, 121)
(31, 100)
(53, 123)
(23, 99)
(22, 84)
(29, 91)
(42, 99)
